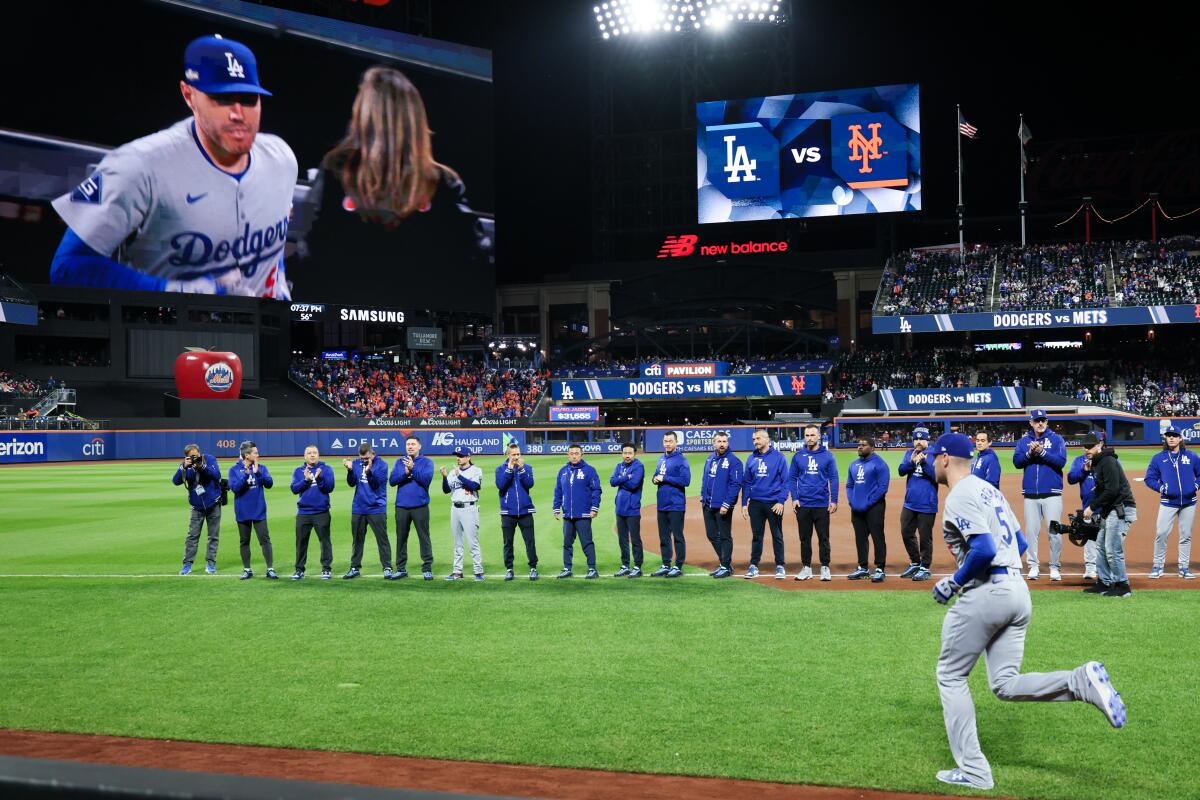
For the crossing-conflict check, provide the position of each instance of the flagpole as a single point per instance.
(962, 249)
(1023, 205)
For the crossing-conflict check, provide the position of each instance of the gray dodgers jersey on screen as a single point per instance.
(976, 508)
(188, 218)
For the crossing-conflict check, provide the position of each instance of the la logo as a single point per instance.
(234, 66)
(739, 161)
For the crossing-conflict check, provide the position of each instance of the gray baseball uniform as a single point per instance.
(990, 617)
(187, 218)
(464, 516)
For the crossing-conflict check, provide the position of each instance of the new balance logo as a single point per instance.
(863, 149)
(678, 246)
(234, 66)
(738, 163)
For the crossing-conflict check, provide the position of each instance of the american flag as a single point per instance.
(965, 128)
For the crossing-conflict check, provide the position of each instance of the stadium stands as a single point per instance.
(453, 386)
(1077, 275)
(604, 366)
(866, 369)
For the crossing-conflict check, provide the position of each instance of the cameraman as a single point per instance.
(1113, 503)
(202, 477)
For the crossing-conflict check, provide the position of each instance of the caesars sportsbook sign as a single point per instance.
(780, 385)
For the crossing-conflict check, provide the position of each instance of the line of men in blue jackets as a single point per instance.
(765, 484)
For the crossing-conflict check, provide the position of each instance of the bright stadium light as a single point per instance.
(638, 17)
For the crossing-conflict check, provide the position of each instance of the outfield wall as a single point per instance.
(1119, 429)
(27, 447)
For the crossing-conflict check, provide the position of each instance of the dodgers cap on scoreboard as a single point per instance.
(216, 65)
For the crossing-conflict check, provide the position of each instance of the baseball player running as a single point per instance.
(991, 616)
(1174, 474)
(462, 484)
(1042, 454)
(201, 207)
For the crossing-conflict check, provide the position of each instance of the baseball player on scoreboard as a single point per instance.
(462, 484)
(201, 207)
(1042, 454)
(991, 616)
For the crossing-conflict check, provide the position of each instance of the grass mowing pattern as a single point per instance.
(821, 687)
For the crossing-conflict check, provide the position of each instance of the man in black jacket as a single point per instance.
(1112, 503)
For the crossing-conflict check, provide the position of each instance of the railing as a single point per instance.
(60, 423)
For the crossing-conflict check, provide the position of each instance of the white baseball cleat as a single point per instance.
(956, 778)
(1033, 573)
(1055, 575)
(1106, 698)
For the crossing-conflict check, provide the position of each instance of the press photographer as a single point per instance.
(201, 476)
(1113, 506)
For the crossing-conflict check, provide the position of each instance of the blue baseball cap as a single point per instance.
(216, 65)
(1172, 430)
(953, 444)
(921, 433)
(463, 452)
(1037, 413)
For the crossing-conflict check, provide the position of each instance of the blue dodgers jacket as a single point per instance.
(370, 486)
(1174, 477)
(921, 491)
(765, 477)
(1043, 473)
(987, 466)
(514, 486)
(676, 476)
(628, 482)
(412, 490)
(866, 482)
(577, 491)
(313, 495)
(813, 478)
(249, 500)
(204, 485)
(1086, 480)
(722, 480)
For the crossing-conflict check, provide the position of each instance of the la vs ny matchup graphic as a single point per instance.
(850, 151)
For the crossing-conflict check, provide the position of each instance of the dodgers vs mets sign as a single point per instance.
(851, 151)
(643, 388)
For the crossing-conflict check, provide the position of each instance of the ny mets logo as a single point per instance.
(863, 149)
(797, 384)
(678, 246)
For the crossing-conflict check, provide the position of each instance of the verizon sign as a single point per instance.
(688, 244)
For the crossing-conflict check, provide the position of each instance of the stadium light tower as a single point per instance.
(624, 18)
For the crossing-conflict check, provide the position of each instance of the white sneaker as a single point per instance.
(1089, 573)
(780, 573)
(825, 576)
(805, 574)
(1055, 575)
(1033, 573)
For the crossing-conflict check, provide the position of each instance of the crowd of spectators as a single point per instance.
(1162, 273)
(18, 385)
(866, 369)
(1052, 276)
(936, 282)
(1162, 388)
(51, 355)
(453, 386)
(1042, 276)
(1086, 382)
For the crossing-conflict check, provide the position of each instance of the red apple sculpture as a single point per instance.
(208, 375)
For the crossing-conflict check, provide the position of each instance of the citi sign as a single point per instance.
(684, 245)
(94, 448)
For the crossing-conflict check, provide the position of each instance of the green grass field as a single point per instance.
(727, 679)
